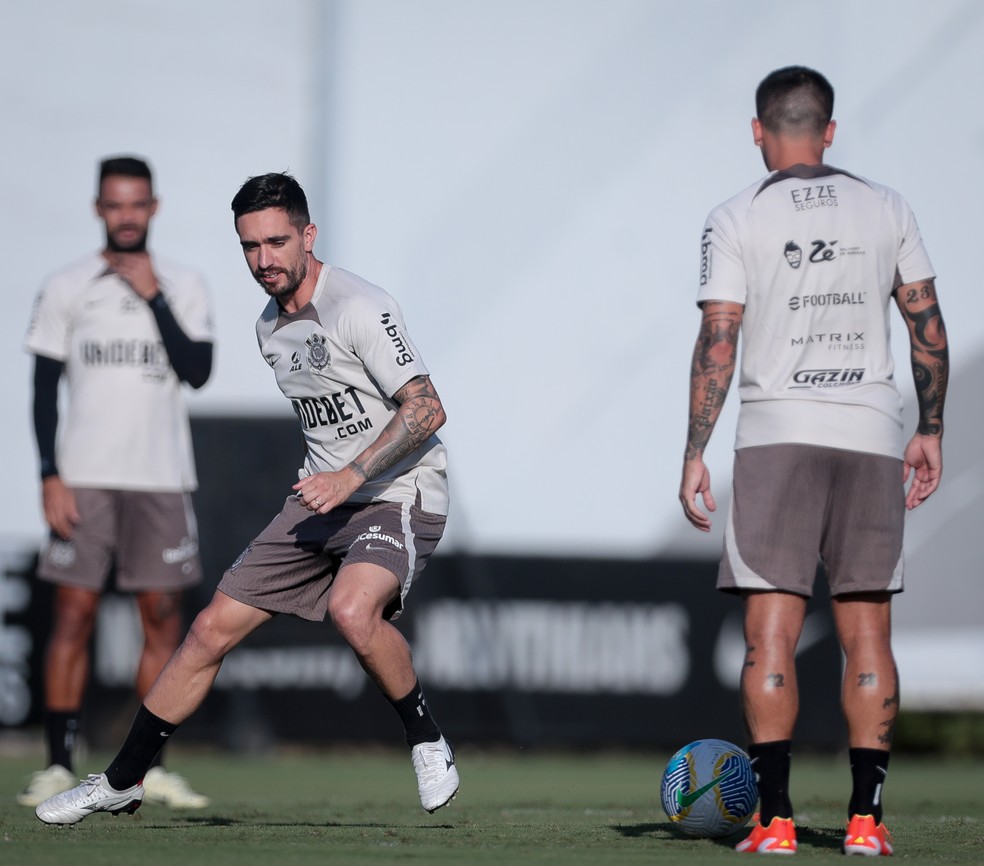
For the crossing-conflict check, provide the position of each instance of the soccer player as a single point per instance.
(805, 264)
(126, 329)
(365, 516)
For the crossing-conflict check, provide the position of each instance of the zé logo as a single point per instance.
(823, 251)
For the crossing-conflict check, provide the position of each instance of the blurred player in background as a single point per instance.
(806, 264)
(126, 329)
(367, 512)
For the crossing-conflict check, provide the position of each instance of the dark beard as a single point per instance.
(138, 246)
(284, 294)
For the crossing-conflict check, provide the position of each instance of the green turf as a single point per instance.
(359, 807)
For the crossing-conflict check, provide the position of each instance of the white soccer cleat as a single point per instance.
(172, 790)
(437, 776)
(45, 784)
(93, 795)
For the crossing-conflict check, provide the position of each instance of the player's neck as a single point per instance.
(305, 291)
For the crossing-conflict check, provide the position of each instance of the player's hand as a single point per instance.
(696, 481)
(137, 270)
(59, 507)
(924, 460)
(321, 492)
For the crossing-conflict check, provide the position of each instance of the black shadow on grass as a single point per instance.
(819, 837)
(242, 822)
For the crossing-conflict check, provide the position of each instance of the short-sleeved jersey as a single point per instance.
(126, 426)
(814, 254)
(339, 360)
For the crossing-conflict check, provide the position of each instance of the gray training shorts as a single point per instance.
(151, 536)
(289, 567)
(792, 503)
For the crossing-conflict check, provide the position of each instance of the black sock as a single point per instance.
(416, 718)
(147, 736)
(868, 770)
(771, 762)
(61, 728)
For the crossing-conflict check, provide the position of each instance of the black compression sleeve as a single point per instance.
(191, 360)
(47, 372)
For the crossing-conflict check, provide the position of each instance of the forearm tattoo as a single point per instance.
(711, 371)
(777, 681)
(930, 356)
(870, 679)
(419, 416)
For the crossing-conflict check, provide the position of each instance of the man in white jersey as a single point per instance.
(806, 264)
(366, 514)
(126, 329)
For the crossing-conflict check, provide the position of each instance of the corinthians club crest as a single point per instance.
(317, 352)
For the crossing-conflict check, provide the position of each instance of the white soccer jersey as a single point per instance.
(126, 426)
(339, 360)
(814, 254)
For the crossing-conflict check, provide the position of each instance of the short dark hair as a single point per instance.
(274, 190)
(795, 100)
(124, 166)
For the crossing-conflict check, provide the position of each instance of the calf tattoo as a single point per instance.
(777, 681)
(870, 679)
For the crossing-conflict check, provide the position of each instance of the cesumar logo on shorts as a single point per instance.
(403, 354)
(374, 534)
(827, 378)
(318, 356)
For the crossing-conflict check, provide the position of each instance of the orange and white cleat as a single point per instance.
(778, 838)
(867, 838)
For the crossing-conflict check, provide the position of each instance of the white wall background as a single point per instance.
(529, 178)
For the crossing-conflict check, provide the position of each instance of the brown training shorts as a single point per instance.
(792, 503)
(152, 536)
(289, 567)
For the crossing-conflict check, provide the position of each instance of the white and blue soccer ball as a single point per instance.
(709, 789)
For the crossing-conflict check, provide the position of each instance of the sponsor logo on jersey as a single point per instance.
(827, 378)
(806, 198)
(829, 299)
(706, 255)
(132, 304)
(837, 341)
(402, 345)
(295, 362)
(794, 254)
(823, 251)
(318, 356)
(123, 353)
(336, 410)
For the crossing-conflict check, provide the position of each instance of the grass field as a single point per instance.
(360, 807)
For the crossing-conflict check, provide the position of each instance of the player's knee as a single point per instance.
(207, 639)
(73, 624)
(353, 621)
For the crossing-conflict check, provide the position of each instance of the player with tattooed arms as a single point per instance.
(365, 516)
(805, 264)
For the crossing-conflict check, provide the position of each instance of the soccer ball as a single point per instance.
(708, 789)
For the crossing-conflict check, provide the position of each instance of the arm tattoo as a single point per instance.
(870, 679)
(777, 681)
(711, 370)
(929, 355)
(418, 417)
